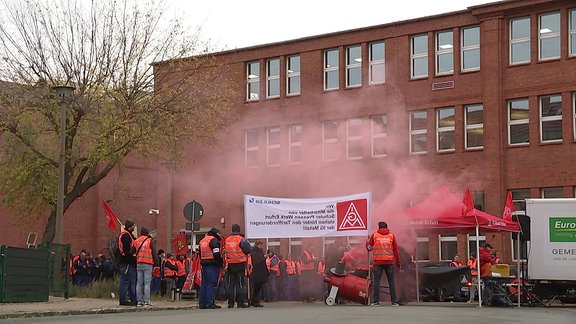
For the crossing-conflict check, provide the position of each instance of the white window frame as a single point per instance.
(292, 74)
(418, 56)
(353, 137)
(378, 135)
(441, 130)
(444, 50)
(329, 143)
(554, 118)
(273, 77)
(550, 191)
(574, 116)
(252, 80)
(572, 33)
(353, 65)
(515, 122)
(423, 240)
(377, 66)
(474, 47)
(519, 41)
(418, 132)
(472, 238)
(545, 35)
(250, 150)
(446, 239)
(331, 69)
(294, 143)
(273, 147)
(469, 127)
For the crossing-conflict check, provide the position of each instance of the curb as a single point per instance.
(93, 311)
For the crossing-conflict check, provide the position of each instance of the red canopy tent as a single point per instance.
(441, 213)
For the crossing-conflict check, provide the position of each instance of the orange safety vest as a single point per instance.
(383, 247)
(72, 270)
(167, 271)
(473, 269)
(455, 264)
(290, 267)
(321, 268)
(120, 244)
(181, 268)
(145, 253)
(307, 266)
(205, 250)
(234, 253)
(272, 268)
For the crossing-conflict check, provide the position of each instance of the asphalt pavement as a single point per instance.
(57, 306)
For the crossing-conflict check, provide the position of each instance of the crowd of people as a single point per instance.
(232, 269)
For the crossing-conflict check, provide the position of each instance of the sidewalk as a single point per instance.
(75, 306)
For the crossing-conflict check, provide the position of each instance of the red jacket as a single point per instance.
(370, 244)
(486, 261)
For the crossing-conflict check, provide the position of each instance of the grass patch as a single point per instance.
(98, 289)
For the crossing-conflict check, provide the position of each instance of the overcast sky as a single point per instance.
(232, 24)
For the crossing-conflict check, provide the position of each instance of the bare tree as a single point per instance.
(114, 54)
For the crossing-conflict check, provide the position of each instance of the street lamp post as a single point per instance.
(63, 92)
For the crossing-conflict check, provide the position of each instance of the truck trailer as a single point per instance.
(552, 252)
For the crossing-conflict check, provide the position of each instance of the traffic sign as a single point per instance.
(193, 211)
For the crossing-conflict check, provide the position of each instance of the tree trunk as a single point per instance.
(50, 230)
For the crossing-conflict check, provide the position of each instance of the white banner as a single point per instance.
(268, 217)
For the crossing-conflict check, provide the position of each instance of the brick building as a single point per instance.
(481, 98)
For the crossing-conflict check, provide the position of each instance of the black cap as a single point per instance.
(487, 245)
(235, 228)
(129, 223)
(382, 225)
(214, 230)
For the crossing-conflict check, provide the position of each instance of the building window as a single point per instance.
(549, 36)
(472, 242)
(295, 144)
(353, 66)
(478, 199)
(379, 134)
(253, 81)
(423, 249)
(518, 196)
(293, 75)
(418, 133)
(448, 247)
(273, 78)
(474, 126)
(444, 52)
(551, 118)
(518, 122)
(445, 129)
(470, 55)
(572, 32)
(295, 248)
(330, 150)
(331, 69)
(251, 148)
(552, 192)
(574, 114)
(419, 52)
(273, 146)
(354, 139)
(377, 63)
(274, 245)
(520, 40)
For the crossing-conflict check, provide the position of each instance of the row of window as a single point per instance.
(549, 48)
(356, 138)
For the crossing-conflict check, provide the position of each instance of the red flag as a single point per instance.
(468, 204)
(111, 218)
(179, 244)
(197, 269)
(508, 208)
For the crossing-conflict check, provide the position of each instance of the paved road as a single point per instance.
(294, 312)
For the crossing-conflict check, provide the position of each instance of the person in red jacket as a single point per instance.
(386, 254)
(486, 260)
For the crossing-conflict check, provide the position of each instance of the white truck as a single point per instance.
(552, 252)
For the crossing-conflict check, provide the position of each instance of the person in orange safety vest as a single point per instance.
(386, 253)
(237, 248)
(146, 259)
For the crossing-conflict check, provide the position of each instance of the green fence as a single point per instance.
(30, 275)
